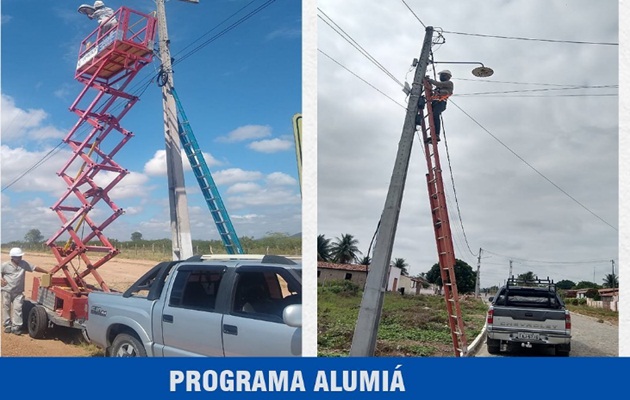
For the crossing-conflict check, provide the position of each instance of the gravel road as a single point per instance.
(590, 338)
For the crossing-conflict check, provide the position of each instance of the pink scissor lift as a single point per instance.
(108, 62)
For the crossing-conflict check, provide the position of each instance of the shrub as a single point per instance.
(342, 287)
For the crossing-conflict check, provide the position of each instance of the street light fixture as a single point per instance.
(481, 72)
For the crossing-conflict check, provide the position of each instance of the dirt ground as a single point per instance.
(118, 273)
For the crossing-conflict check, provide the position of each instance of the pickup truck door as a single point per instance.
(190, 325)
(254, 326)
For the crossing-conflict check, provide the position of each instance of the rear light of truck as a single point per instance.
(490, 318)
(567, 320)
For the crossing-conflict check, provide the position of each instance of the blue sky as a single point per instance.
(239, 92)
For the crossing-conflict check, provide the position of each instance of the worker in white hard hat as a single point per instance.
(12, 283)
(102, 15)
(442, 90)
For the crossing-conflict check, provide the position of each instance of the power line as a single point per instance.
(147, 80)
(363, 80)
(215, 27)
(485, 80)
(226, 30)
(549, 95)
(533, 39)
(503, 144)
(414, 14)
(450, 168)
(540, 90)
(533, 168)
(357, 46)
(546, 262)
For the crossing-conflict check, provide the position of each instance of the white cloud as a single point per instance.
(246, 132)
(132, 185)
(24, 124)
(234, 175)
(271, 145)
(16, 164)
(284, 33)
(156, 166)
(280, 178)
(244, 188)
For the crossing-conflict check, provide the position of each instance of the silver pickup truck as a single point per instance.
(204, 306)
(527, 314)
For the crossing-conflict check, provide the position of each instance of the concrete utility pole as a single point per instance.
(180, 223)
(365, 332)
(478, 280)
(510, 274)
(613, 273)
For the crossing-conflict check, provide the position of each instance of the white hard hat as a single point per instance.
(446, 71)
(98, 3)
(16, 252)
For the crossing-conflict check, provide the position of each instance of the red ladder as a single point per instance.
(442, 227)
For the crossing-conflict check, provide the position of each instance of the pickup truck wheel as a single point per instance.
(126, 345)
(494, 346)
(563, 351)
(37, 322)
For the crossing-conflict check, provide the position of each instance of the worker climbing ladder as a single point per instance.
(206, 183)
(441, 226)
(108, 62)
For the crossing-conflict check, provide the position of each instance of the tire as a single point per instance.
(37, 322)
(563, 350)
(126, 345)
(493, 345)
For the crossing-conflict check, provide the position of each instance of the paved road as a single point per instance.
(590, 339)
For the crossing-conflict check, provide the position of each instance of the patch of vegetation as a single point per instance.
(410, 325)
(599, 313)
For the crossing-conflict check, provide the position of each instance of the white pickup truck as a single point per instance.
(204, 306)
(527, 314)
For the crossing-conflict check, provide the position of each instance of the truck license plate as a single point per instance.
(527, 336)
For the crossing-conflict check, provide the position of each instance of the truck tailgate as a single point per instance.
(524, 318)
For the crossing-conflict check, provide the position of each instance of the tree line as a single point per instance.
(345, 250)
(272, 243)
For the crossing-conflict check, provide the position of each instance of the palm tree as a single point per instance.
(402, 264)
(611, 281)
(323, 248)
(345, 250)
(365, 260)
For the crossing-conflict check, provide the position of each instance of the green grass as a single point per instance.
(599, 313)
(409, 326)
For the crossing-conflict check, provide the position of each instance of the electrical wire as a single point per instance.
(486, 80)
(214, 28)
(546, 262)
(532, 39)
(144, 84)
(363, 80)
(414, 14)
(450, 168)
(357, 46)
(540, 90)
(533, 168)
(224, 31)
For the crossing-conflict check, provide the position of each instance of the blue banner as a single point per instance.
(311, 377)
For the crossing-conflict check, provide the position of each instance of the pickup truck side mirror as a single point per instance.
(292, 315)
(490, 299)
